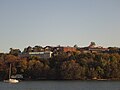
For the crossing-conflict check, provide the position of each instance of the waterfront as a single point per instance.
(62, 85)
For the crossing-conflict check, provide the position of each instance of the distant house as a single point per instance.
(93, 49)
(23, 55)
(98, 49)
(48, 48)
(43, 55)
(65, 49)
(69, 49)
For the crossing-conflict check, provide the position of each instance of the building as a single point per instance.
(93, 49)
(42, 55)
(48, 48)
(69, 49)
(65, 49)
(98, 49)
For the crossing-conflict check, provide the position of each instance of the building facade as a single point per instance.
(41, 55)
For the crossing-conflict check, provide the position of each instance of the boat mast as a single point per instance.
(10, 71)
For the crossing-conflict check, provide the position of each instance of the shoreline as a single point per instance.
(70, 80)
(66, 80)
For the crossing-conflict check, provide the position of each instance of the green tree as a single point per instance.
(100, 72)
(22, 66)
(3, 70)
(71, 70)
(34, 69)
(11, 59)
(15, 52)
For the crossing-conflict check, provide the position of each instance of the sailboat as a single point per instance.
(10, 80)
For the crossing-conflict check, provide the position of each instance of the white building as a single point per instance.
(44, 55)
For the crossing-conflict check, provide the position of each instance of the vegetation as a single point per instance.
(63, 66)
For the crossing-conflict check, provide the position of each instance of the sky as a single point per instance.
(26, 23)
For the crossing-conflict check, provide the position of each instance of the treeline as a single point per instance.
(68, 66)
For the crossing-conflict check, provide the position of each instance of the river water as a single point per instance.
(62, 85)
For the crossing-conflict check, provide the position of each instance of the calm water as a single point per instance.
(62, 85)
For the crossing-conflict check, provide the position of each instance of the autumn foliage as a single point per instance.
(82, 66)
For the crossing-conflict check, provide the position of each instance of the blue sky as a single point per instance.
(59, 22)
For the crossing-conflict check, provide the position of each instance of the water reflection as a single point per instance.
(62, 85)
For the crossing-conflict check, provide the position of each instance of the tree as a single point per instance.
(11, 59)
(23, 65)
(75, 46)
(34, 69)
(71, 70)
(100, 72)
(28, 49)
(114, 66)
(3, 70)
(15, 52)
(92, 44)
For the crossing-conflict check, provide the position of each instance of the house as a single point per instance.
(93, 49)
(23, 55)
(65, 49)
(69, 49)
(98, 49)
(43, 55)
(48, 48)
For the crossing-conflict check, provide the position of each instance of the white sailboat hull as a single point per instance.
(11, 81)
